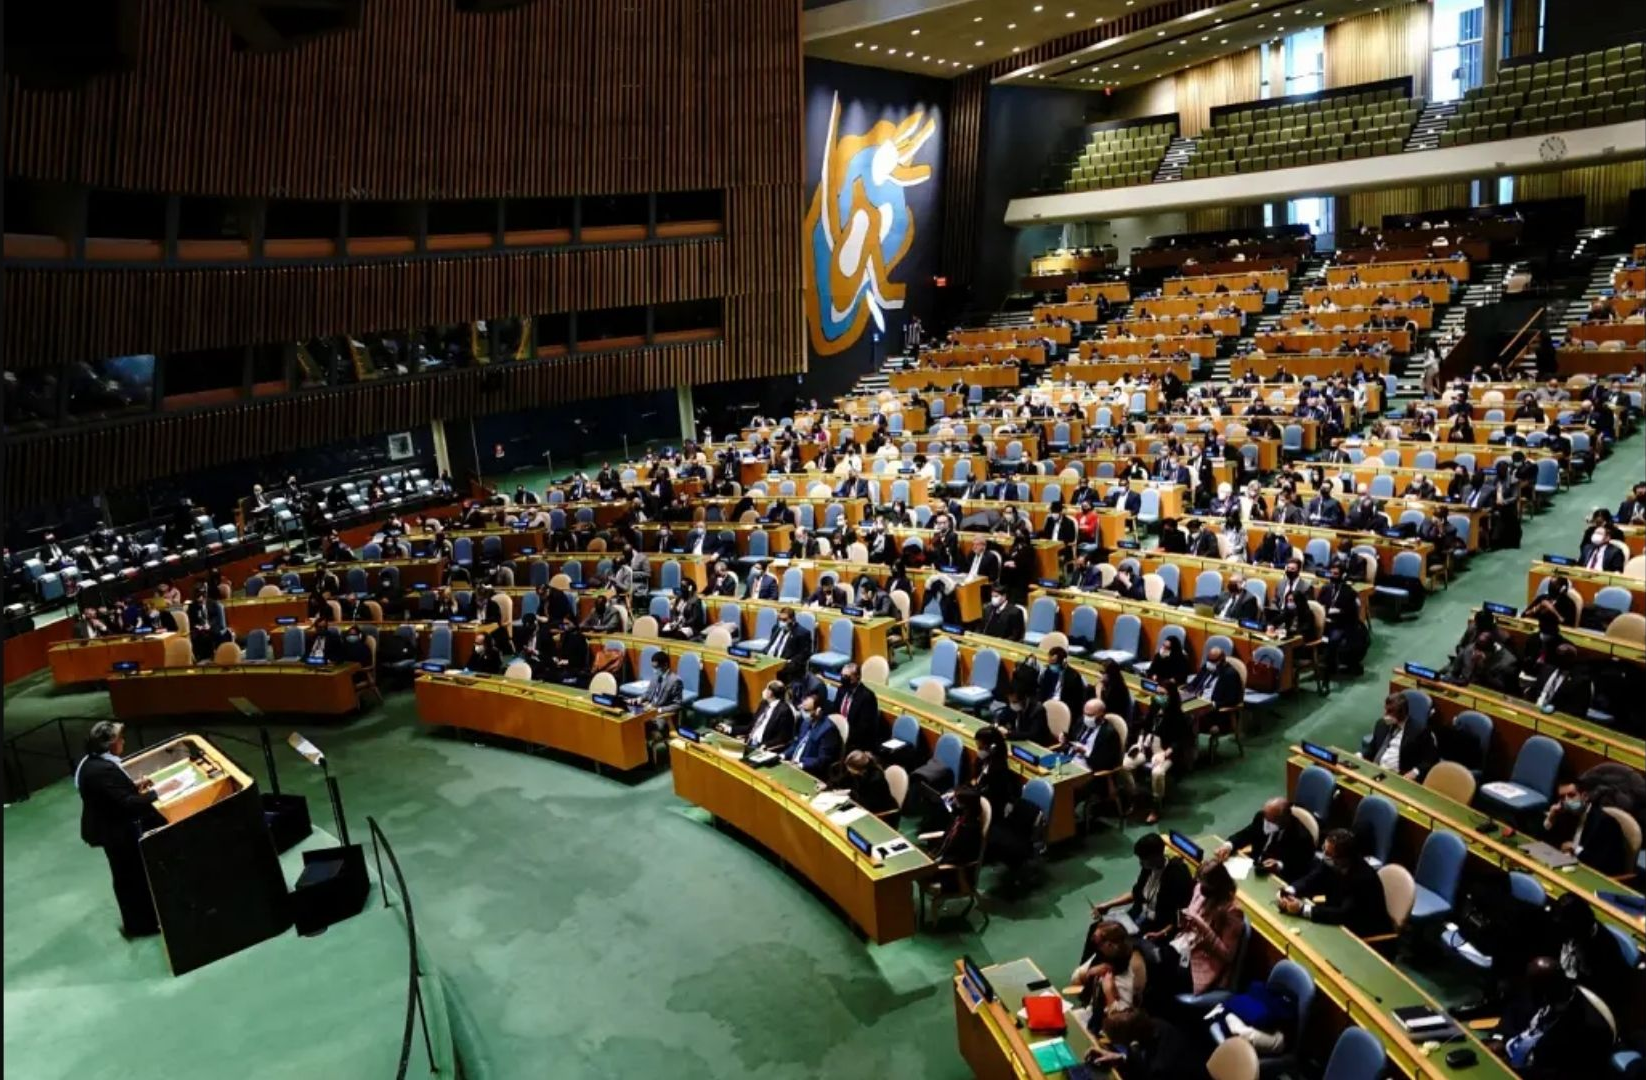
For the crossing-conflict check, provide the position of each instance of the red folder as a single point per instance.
(1045, 1012)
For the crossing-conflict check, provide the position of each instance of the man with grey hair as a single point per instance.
(115, 811)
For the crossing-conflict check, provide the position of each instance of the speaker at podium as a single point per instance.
(212, 868)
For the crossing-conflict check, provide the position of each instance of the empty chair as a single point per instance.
(1478, 728)
(1382, 486)
(1451, 780)
(1439, 869)
(793, 586)
(257, 647)
(440, 646)
(724, 702)
(1613, 598)
(945, 663)
(292, 644)
(1317, 552)
(759, 548)
(980, 690)
(1208, 585)
(1357, 1055)
(690, 671)
(765, 620)
(1170, 577)
(839, 652)
(1234, 1059)
(1082, 631)
(1123, 645)
(1374, 826)
(1042, 620)
(1314, 791)
(1530, 785)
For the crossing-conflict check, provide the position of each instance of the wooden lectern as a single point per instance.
(212, 868)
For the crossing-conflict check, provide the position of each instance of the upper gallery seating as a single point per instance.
(1117, 157)
(1351, 125)
(1554, 95)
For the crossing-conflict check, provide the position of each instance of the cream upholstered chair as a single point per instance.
(561, 582)
(1310, 825)
(1154, 587)
(645, 627)
(857, 551)
(1451, 780)
(1057, 719)
(931, 693)
(229, 653)
(1630, 828)
(897, 781)
(269, 590)
(1629, 626)
(876, 671)
(179, 653)
(1234, 1059)
(1055, 639)
(718, 637)
(604, 682)
(520, 670)
(1399, 896)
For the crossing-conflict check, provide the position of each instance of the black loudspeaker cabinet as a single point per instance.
(287, 817)
(217, 882)
(333, 887)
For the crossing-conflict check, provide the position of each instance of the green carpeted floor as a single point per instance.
(586, 926)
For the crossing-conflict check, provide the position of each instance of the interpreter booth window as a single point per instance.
(1306, 61)
(111, 387)
(1459, 38)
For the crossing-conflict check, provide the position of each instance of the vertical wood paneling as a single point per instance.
(963, 149)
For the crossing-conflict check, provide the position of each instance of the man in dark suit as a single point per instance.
(828, 594)
(114, 813)
(1085, 574)
(1399, 747)
(791, 643)
(1203, 542)
(1060, 682)
(982, 562)
(882, 544)
(1550, 1029)
(1128, 584)
(772, 725)
(816, 745)
(1002, 619)
(1278, 841)
(1060, 527)
(1170, 472)
(804, 545)
(722, 582)
(762, 584)
(1351, 891)
(1324, 510)
(322, 643)
(1236, 603)
(1599, 553)
(853, 487)
(1292, 583)
(1216, 681)
(1580, 826)
(1558, 684)
(1632, 511)
(865, 730)
(1122, 497)
(664, 691)
(1344, 634)
(943, 547)
(1025, 718)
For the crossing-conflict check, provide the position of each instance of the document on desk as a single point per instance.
(828, 802)
(847, 816)
(1239, 867)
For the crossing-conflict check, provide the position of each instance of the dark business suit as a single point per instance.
(1129, 501)
(1237, 606)
(1066, 686)
(1600, 845)
(1417, 748)
(794, 647)
(1224, 683)
(1572, 695)
(1290, 847)
(1030, 724)
(988, 566)
(1002, 622)
(816, 747)
(763, 587)
(1325, 511)
(1611, 559)
(113, 815)
(865, 730)
(779, 725)
(1353, 900)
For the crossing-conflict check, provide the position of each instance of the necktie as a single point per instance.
(759, 728)
(1550, 685)
(778, 642)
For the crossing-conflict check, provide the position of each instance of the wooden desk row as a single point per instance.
(1514, 721)
(1318, 367)
(1300, 535)
(544, 714)
(1194, 307)
(1154, 347)
(1296, 342)
(1112, 370)
(966, 355)
(1455, 269)
(1356, 318)
(1156, 617)
(217, 688)
(1424, 811)
(1115, 291)
(1586, 583)
(1207, 284)
(994, 376)
(1190, 567)
(1011, 336)
(1436, 292)
(1144, 323)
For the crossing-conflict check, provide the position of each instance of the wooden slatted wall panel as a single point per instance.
(47, 467)
(963, 151)
(55, 316)
(423, 101)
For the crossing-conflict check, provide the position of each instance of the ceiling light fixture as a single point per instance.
(859, 45)
(915, 32)
(978, 43)
(1011, 26)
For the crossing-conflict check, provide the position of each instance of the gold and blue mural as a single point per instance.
(860, 225)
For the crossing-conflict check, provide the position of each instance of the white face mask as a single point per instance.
(1597, 537)
(1270, 827)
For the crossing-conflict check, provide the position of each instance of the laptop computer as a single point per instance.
(1549, 855)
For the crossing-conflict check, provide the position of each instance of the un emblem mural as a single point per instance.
(859, 227)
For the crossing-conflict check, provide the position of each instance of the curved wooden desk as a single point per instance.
(213, 688)
(557, 717)
(774, 807)
(80, 661)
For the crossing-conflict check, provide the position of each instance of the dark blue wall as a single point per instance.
(867, 96)
(1579, 26)
(1026, 127)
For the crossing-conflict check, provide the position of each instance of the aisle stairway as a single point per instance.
(1178, 153)
(1426, 132)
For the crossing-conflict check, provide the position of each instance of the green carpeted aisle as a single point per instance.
(585, 926)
